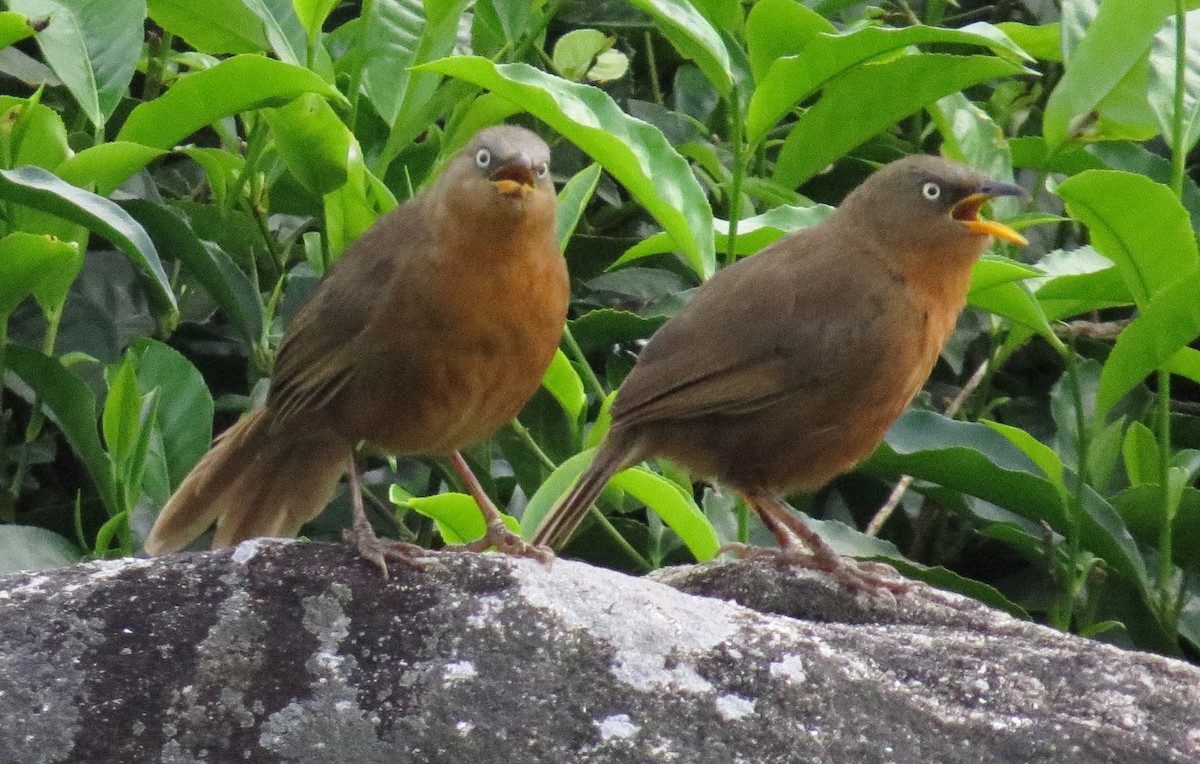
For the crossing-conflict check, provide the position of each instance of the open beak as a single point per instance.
(514, 178)
(967, 212)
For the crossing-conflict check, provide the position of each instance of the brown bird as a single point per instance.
(786, 368)
(431, 332)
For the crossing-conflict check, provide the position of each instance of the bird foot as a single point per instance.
(368, 545)
(503, 540)
(851, 574)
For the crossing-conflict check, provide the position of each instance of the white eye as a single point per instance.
(931, 191)
(543, 169)
(483, 157)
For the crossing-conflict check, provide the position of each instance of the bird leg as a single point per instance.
(498, 535)
(362, 536)
(786, 527)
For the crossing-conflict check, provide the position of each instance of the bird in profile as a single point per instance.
(786, 368)
(432, 331)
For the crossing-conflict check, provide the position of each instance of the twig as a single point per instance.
(893, 501)
(1092, 330)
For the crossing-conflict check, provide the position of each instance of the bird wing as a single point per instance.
(791, 320)
(319, 352)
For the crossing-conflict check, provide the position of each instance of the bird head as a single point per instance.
(501, 166)
(926, 203)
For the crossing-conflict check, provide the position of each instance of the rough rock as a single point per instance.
(290, 652)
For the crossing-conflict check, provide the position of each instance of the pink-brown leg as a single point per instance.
(498, 535)
(363, 537)
(787, 528)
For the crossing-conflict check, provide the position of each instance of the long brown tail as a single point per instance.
(255, 481)
(562, 522)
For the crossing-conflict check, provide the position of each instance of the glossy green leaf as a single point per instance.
(552, 490)
(1186, 363)
(235, 85)
(1169, 322)
(399, 35)
(1117, 39)
(1038, 40)
(1078, 281)
(694, 38)
(1015, 301)
(872, 97)
(826, 58)
(753, 233)
(121, 418)
(777, 28)
(1140, 453)
(563, 382)
(14, 27)
(227, 284)
(635, 153)
(971, 458)
(222, 168)
(35, 265)
(29, 548)
(457, 516)
(575, 51)
(677, 509)
(356, 205)
(1161, 91)
(313, 141)
(1041, 454)
(70, 404)
(1135, 222)
(185, 409)
(106, 166)
(285, 33)
(312, 13)
(31, 133)
(992, 270)
(93, 47)
(573, 200)
(34, 187)
(1141, 509)
(213, 26)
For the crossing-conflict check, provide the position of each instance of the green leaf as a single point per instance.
(284, 31)
(573, 200)
(1078, 281)
(456, 514)
(235, 85)
(777, 28)
(563, 382)
(70, 404)
(1140, 453)
(214, 26)
(1161, 93)
(575, 51)
(552, 490)
(36, 265)
(29, 548)
(356, 205)
(209, 264)
(635, 153)
(34, 187)
(1040, 41)
(1116, 41)
(106, 166)
(1169, 322)
(972, 137)
(31, 133)
(991, 270)
(826, 58)
(753, 233)
(1137, 223)
(122, 414)
(1141, 509)
(694, 38)
(972, 458)
(1186, 363)
(312, 13)
(1015, 301)
(1041, 454)
(870, 98)
(676, 508)
(400, 35)
(93, 47)
(313, 142)
(185, 409)
(14, 27)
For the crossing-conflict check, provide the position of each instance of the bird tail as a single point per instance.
(255, 481)
(562, 522)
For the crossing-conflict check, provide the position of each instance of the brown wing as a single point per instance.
(317, 356)
(799, 317)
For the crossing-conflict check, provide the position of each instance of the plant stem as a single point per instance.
(576, 352)
(620, 540)
(355, 84)
(652, 62)
(739, 172)
(527, 438)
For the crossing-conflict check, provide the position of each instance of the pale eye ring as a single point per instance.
(483, 157)
(931, 191)
(543, 169)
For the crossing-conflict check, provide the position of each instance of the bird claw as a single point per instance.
(503, 540)
(368, 545)
(851, 574)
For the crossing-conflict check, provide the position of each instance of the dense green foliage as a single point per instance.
(175, 176)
